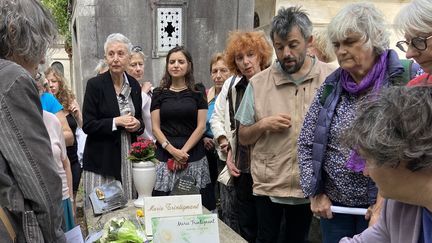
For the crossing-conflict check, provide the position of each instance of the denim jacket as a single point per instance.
(30, 187)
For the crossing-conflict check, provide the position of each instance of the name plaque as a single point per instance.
(169, 206)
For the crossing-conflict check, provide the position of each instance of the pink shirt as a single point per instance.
(58, 147)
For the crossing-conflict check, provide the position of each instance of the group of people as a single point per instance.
(286, 131)
(297, 136)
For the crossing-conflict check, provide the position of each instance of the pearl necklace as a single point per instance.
(177, 89)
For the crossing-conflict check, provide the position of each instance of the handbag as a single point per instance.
(225, 177)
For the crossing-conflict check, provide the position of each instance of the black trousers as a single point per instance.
(212, 159)
(247, 217)
(297, 219)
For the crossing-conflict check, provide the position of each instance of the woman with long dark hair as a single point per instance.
(178, 113)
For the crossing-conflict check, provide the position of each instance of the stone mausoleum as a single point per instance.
(158, 25)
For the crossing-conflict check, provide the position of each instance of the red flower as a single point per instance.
(142, 150)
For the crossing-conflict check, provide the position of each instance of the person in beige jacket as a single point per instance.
(271, 115)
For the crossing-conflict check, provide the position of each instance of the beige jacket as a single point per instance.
(274, 166)
(220, 121)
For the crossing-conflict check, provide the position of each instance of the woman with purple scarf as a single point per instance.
(360, 39)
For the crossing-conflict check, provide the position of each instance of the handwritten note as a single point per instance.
(186, 229)
(170, 206)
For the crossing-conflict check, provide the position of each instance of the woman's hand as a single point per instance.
(224, 144)
(130, 123)
(146, 87)
(231, 166)
(179, 165)
(208, 143)
(320, 206)
(178, 155)
(74, 109)
(133, 126)
(374, 211)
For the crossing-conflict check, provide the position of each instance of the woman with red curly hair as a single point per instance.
(246, 54)
(58, 87)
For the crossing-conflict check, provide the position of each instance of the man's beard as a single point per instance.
(292, 69)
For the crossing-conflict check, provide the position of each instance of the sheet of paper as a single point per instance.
(186, 229)
(74, 235)
(347, 210)
(169, 206)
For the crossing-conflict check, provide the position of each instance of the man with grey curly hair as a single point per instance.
(30, 186)
(393, 134)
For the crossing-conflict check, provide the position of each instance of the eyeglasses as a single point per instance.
(137, 49)
(419, 43)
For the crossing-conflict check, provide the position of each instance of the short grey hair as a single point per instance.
(415, 18)
(117, 37)
(286, 19)
(395, 127)
(27, 29)
(363, 19)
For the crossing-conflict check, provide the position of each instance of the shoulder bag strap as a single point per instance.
(231, 105)
(4, 218)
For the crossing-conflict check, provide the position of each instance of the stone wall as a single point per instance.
(322, 11)
(207, 27)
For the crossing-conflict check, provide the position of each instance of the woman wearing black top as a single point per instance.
(178, 113)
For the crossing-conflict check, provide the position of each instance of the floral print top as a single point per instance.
(341, 185)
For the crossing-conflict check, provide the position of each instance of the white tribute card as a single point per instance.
(168, 206)
(186, 229)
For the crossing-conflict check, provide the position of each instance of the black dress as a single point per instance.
(72, 154)
(178, 120)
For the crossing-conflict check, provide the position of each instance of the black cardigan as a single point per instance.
(102, 152)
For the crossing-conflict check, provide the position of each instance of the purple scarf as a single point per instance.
(375, 80)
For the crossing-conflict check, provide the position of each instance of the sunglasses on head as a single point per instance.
(137, 49)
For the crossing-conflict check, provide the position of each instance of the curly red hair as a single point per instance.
(247, 40)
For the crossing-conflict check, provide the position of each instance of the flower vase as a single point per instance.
(144, 178)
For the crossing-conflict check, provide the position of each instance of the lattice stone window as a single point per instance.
(169, 27)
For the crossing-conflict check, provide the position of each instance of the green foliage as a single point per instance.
(59, 10)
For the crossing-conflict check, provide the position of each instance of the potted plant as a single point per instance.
(143, 158)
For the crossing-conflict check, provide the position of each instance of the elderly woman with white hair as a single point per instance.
(415, 23)
(360, 40)
(111, 119)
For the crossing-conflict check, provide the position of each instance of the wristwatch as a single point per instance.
(165, 144)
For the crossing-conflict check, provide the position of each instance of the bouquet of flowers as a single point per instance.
(142, 150)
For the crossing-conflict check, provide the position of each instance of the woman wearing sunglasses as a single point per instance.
(415, 22)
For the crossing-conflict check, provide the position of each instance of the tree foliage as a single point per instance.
(59, 10)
